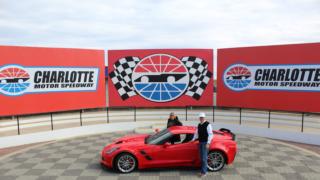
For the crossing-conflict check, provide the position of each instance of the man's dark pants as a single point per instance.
(203, 157)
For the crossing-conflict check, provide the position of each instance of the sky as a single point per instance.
(134, 24)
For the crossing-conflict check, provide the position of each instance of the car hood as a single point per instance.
(131, 138)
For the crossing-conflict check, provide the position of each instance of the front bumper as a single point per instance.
(106, 160)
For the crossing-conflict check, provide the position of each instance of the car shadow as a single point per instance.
(182, 170)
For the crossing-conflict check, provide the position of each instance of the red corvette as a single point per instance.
(154, 151)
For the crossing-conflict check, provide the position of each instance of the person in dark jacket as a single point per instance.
(174, 121)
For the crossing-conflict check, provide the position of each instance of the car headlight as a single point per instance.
(111, 150)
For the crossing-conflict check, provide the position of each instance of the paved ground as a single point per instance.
(257, 158)
(10, 150)
(310, 147)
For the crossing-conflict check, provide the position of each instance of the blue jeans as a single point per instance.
(203, 157)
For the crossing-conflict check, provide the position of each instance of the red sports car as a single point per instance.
(154, 151)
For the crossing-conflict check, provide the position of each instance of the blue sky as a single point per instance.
(106, 24)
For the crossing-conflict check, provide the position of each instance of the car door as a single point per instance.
(159, 156)
(168, 155)
(155, 150)
(184, 152)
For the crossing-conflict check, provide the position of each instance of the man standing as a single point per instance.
(205, 135)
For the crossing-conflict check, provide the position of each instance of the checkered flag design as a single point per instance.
(121, 76)
(199, 76)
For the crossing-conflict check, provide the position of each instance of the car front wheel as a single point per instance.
(125, 163)
(216, 160)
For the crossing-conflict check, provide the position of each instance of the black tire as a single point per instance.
(216, 160)
(125, 163)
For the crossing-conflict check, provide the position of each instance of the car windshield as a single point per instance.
(158, 138)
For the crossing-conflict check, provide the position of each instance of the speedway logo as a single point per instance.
(17, 80)
(289, 77)
(160, 77)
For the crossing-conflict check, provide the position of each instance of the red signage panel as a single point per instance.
(160, 77)
(281, 77)
(38, 80)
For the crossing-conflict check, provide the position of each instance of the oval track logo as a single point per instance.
(13, 80)
(237, 77)
(160, 78)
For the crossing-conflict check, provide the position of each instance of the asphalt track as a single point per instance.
(78, 158)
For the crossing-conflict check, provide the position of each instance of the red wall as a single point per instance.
(285, 55)
(30, 103)
(206, 98)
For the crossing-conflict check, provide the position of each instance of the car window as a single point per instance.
(184, 138)
(159, 138)
(188, 138)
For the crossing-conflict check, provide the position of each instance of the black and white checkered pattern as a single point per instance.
(198, 72)
(199, 76)
(78, 158)
(121, 76)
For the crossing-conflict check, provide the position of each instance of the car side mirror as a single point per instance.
(165, 145)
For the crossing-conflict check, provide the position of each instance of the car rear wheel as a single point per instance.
(126, 163)
(216, 160)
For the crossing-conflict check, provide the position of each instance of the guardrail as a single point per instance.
(289, 121)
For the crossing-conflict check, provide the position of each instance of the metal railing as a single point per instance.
(241, 116)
